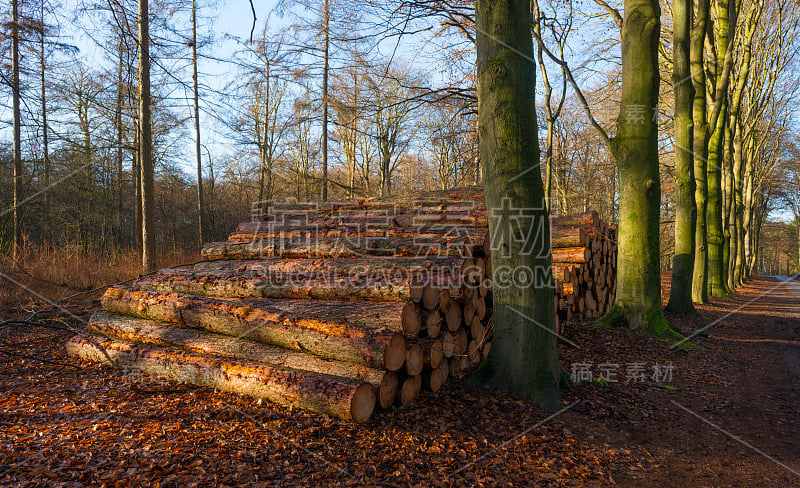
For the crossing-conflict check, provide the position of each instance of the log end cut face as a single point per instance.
(363, 403)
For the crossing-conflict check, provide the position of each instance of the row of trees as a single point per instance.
(328, 103)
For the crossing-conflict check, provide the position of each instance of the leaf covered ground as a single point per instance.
(645, 415)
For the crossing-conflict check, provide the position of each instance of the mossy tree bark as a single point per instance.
(700, 150)
(716, 282)
(725, 29)
(523, 358)
(680, 298)
(635, 148)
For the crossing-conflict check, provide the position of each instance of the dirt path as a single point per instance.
(95, 426)
(747, 384)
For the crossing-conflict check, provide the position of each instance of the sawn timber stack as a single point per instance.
(338, 307)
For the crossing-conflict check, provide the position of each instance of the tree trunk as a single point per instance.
(341, 397)
(714, 231)
(45, 135)
(680, 298)
(524, 358)
(635, 148)
(198, 156)
(700, 146)
(325, 61)
(146, 142)
(16, 244)
(119, 136)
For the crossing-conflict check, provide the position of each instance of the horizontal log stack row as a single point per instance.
(584, 265)
(335, 308)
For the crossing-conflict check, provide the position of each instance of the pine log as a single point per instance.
(432, 353)
(340, 397)
(590, 219)
(411, 318)
(199, 341)
(454, 316)
(414, 359)
(444, 368)
(249, 284)
(568, 237)
(409, 389)
(433, 325)
(477, 330)
(432, 380)
(474, 352)
(572, 255)
(400, 268)
(362, 228)
(339, 248)
(274, 322)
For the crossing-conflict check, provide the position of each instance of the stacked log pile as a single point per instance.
(584, 265)
(335, 308)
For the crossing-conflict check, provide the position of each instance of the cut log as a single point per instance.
(432, 380)
(568, 237)
(414, 359)
(411, 319)
(590, 219)
(572, 255)
(474, 352)
(449, 344)
(461, 340)
(480, 307)
(340, 397)
(339, 248)
(430, 297)
(432, 353)
(199, 341)
(477, 330)
(444, 368)
(454, 316)
(273, 322)
(252, 284)
(410, 388)
(400, 268)
(433, 325)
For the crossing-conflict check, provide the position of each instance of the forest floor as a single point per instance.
(723, 415)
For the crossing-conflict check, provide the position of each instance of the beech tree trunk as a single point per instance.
(635, 148)
(523, 359)
(700, 146)
(680, 298)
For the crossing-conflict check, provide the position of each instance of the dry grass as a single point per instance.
(49, 272)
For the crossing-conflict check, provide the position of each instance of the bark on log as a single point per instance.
(577, 255)
(339, 248)
(273, 322)
(340, 397)
(402, 269)
(199, 341)
(568, 237)
(249, 284)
